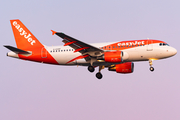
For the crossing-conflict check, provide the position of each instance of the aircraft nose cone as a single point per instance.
(173, 51)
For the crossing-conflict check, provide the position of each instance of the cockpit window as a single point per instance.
(163, 44)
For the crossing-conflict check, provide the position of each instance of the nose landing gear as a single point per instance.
(151, 68)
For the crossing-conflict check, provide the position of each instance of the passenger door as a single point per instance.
(149, 45)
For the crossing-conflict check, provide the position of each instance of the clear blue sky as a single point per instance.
(34, 91)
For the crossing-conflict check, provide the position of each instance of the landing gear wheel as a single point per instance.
(91, 68)
(99, 75)
(150, 63)
(151, 69)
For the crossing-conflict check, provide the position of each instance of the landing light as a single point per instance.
(153, 59)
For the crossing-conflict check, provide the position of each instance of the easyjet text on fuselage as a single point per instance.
(131, 43)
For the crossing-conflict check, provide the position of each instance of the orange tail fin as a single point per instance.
(24, 38)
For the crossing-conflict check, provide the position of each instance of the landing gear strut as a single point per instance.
(99, 75)
(91, 68)
(151, 68)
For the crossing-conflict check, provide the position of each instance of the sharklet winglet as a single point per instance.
(53, 32)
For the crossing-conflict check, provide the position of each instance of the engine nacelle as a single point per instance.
(113, 57)
(127, 67)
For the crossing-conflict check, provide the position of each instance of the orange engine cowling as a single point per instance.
(113, 57)
(127, 67)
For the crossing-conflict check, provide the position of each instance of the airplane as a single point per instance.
(116, 56)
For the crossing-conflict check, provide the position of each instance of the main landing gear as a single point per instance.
(91, 68)
(151, 68)
(98, 75)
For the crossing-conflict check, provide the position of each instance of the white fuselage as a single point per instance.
(63, 54)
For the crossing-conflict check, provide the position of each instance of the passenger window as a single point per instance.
(160, 44)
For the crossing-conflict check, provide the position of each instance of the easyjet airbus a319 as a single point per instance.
(116, 56)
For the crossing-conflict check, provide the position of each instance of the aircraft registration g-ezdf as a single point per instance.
(116, 56)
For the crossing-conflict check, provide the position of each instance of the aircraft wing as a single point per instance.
(79, 46)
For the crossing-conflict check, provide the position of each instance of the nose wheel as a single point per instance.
(151, 68)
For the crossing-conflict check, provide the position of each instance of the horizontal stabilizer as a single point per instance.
(16, 50)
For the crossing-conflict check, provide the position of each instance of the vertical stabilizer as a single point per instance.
(24, 38)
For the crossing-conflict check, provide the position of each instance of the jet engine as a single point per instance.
(125, 68)
(113, 57)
